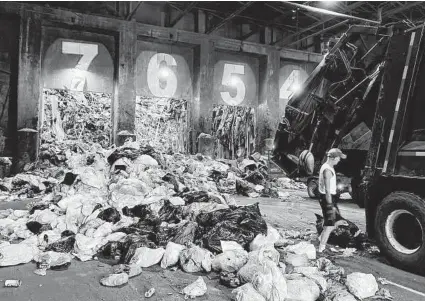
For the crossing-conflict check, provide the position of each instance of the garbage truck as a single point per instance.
(378, 117)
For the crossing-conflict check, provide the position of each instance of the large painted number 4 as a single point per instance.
(290, 85)
(230, 80)
(88, 52)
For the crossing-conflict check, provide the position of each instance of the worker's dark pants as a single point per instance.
(328, 215)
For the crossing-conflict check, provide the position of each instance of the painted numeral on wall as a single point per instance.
(159, 71)
(230, 79)
(88, 52)
(291, 82)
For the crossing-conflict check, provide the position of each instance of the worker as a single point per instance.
(328, 195)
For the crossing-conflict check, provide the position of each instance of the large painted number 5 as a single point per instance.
(156, 72)
(231, 80)
(88, 52)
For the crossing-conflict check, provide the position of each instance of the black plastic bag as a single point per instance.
(67, 233)
(216, 175)
(111, 250)
(141, 211)
(173, 180)
(344, 236)
(123, 152)
(165, 235)
(110, 215)
(69, 178)
(37, 228)
(133, 242)
(61, 267)
(243, 187)
(240, 224)
(185, 233)
(170, 213)
(255, 177)
(38, 207)
(65, 245)
(195, 196)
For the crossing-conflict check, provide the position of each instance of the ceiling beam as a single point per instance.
(183, 13)
(131, 15)
(251, 33)
(319, 32)
(331, 12)
(230, 17)
(400, 9)
(326, 19)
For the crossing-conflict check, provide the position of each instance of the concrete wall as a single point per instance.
(9, 39)
(125, 42)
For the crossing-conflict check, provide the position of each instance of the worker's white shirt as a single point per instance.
(322, 189)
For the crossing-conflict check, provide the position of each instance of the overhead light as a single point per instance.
(295, 88)
(234, 81)
(328, 2)
(163, 73)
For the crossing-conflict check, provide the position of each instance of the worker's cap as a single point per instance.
(336, 152)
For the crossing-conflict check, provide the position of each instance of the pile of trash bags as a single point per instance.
(133, 207)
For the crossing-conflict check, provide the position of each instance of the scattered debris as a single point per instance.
(150, 293)
(12, 283)
(362, 285)
(196, 289)
(115, 280)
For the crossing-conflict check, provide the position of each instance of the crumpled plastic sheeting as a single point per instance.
(146, 257)
(196, 259)
(15, 254)
(196, 289)
(241, 224)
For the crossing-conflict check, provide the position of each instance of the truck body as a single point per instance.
(367, 97)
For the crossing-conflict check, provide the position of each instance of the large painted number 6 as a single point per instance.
(231, 80)
(88, 52)
(156, 72)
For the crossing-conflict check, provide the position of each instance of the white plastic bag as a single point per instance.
(247, 292)
(271, 283)
(196, 259)
(146, 257)
(230, 261)
(115, 279)
(85, 247)
(196, 289)
(262, 240)
(228, 245)
(303, 248)
(171, 255)
(16, 254)
(264, 252)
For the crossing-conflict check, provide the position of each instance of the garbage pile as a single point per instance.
(133, 207)
(69, 114)
(163, 122)
(249, 177)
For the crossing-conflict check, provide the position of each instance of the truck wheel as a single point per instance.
(313, 188)
(400, 230)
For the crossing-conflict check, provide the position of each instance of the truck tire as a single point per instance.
(400, 230)
(313, 188)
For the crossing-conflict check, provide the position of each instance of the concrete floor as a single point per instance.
(81, 281)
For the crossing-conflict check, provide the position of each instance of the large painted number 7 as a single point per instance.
(230, 80)
(88, 52)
